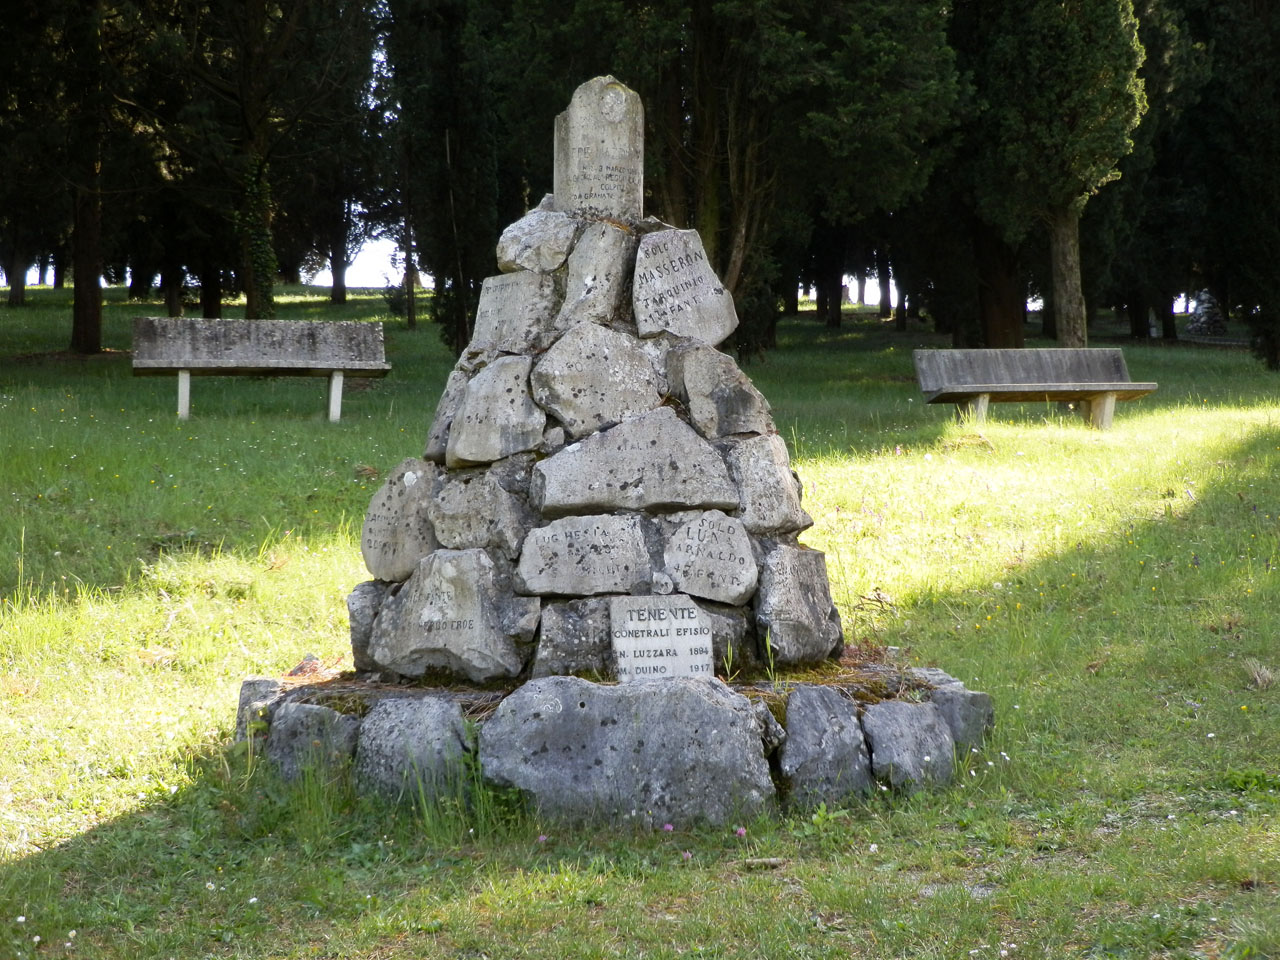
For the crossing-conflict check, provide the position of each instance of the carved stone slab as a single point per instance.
(497, 416)
(582, 556)
(794, 605)
(397, 527)
(721, 400)
(540, 240)
(472, 510)
(516, 313)
(594, 377)
(660, 638)
(711, 557)
(452, 615)
(654, 460)
(599, 152)
(438, 436)
(676, 290)
(599, 275)
(770, 493)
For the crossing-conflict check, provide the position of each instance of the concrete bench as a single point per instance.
(224, 348)
(1094, 377)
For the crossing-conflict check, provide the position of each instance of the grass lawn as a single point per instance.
(1116, 592)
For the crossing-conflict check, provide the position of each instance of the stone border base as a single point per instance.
(648, 753)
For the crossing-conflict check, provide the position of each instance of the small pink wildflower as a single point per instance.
(542, 838)
(667, 827)
(741, 831)
(687, 855)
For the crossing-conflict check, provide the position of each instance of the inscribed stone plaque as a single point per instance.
(653, 460)
(711, 557)
(580, 556)
(599, 152)
(594, 377)
(660, 638)
(454, 614)
(497, 416)
(676, 290)
(516, 313)
(397, 529)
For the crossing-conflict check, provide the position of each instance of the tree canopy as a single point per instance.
(1100, 153)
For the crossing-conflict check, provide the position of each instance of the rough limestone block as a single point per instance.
(397, 530)
(594, 377)
(540, 240)
(769, 490)
(413, 747)
(305, 735)
(497, 416)
(722, 402)
(655, 460)
(910, 744)
(825, 757)
(711, 557)
(574, 639)
(455, 389)
(256, 696)
(733, 638)
(599, 276)
(583, 556)
(675, 290)
(772, 733)
(793, 604)
(454, 614)
(363, 604)
(473, 510)
(677, 751)
(969, 714)
(516, 314)
(599, 152)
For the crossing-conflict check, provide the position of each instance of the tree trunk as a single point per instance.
(1136, 307)
(211, 292)
(16, 272)
(257, 255)
(86, 266)
(791, 298)
(999, 304)
(86, 231)
(171, 278)
(861, 277)
(883, 277)
(1068, 293)
(338, 264)
(141, 280)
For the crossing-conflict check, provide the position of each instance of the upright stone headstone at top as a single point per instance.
(599, 152)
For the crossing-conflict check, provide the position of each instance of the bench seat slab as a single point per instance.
(1037, 392)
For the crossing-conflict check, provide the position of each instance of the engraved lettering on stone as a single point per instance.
(660, 638)
(676, 290)
(711, 557)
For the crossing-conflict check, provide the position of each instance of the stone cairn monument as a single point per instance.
(603, 520)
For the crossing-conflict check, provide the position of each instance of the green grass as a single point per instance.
(1115, 592)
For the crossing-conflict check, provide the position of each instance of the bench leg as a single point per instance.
(1100, 410)
(184, 394)
(335, 396)
(974, 409)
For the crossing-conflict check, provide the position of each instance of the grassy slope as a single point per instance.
(1115, 592)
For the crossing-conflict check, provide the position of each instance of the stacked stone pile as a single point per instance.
(592, 443)
(603, 496)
